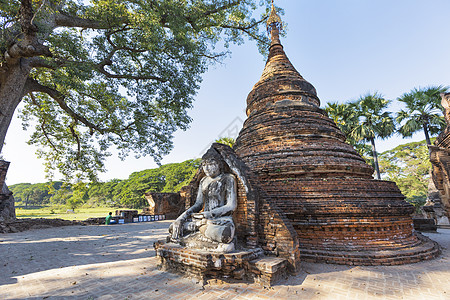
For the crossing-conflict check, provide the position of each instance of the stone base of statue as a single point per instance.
(249, 265)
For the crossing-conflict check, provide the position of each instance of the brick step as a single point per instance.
(269, 270)
(426, 250)
(363, 246)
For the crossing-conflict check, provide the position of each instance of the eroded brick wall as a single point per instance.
(320, 185)
(169, 204)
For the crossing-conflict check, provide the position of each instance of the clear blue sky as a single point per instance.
(345, 48)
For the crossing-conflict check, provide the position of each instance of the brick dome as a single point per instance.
(320, 183)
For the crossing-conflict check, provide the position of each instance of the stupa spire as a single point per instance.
(274, 26)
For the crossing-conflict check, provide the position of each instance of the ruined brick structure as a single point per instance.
(169, 204)
(302, 191)
(261, 229)
(440, 160)
(319, 182)
(7, 210)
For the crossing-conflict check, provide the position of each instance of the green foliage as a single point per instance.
(363, 121)
(346, 118)
(423, 112)
(226, 141)
(373, 120)
(120, 193)
(120, 73)
(408, 165)
(167, 178)
(35, 194)
(79, 195)
(101, 193)
(344, 115)
(178, 175)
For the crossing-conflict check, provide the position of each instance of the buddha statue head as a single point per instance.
(212, 163)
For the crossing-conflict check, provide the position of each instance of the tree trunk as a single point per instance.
(375, 158)
(427, 136)
(12, 86)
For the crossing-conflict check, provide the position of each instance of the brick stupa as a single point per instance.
(319, 182)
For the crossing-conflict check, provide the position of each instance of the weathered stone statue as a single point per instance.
(211, 228)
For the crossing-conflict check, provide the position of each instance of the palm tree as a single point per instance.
(374, 122)
(226, 141)
(344, 115)
(423, 112)
(346, 118)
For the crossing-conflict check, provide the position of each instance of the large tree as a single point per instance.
(105, 72)
(423, 112)
(408, 165)
(373, 122)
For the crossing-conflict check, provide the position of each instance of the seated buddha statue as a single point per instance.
(208, 224)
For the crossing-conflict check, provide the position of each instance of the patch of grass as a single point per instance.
(51, 212)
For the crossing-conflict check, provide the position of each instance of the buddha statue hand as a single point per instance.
(203, 215)
(176, 229)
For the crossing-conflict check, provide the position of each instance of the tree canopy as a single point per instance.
(408, 165)
(120, 193)
(363, 121)
(103, 72)
(423, 112)
(34, 194)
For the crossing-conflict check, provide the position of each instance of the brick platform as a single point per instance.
(248, 265)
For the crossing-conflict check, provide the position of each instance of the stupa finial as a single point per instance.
(274, 25)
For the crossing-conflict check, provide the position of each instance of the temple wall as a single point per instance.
(169, 204)
(440, 160)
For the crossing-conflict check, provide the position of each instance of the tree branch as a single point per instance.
(35, 86)
(33, 100)
(195, 17)
(65, 20)
(77, 138)
(107, 61)
(38, 62)
(26, 17)
(101, 69)
(246, 31)
(223, 7)
(115, 47)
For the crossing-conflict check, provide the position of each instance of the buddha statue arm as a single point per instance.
(230, 201)
(194, 208)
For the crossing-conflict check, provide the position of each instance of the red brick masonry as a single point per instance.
(320, 184)
(248, 265)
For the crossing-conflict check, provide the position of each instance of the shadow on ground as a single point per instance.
(54, 248)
